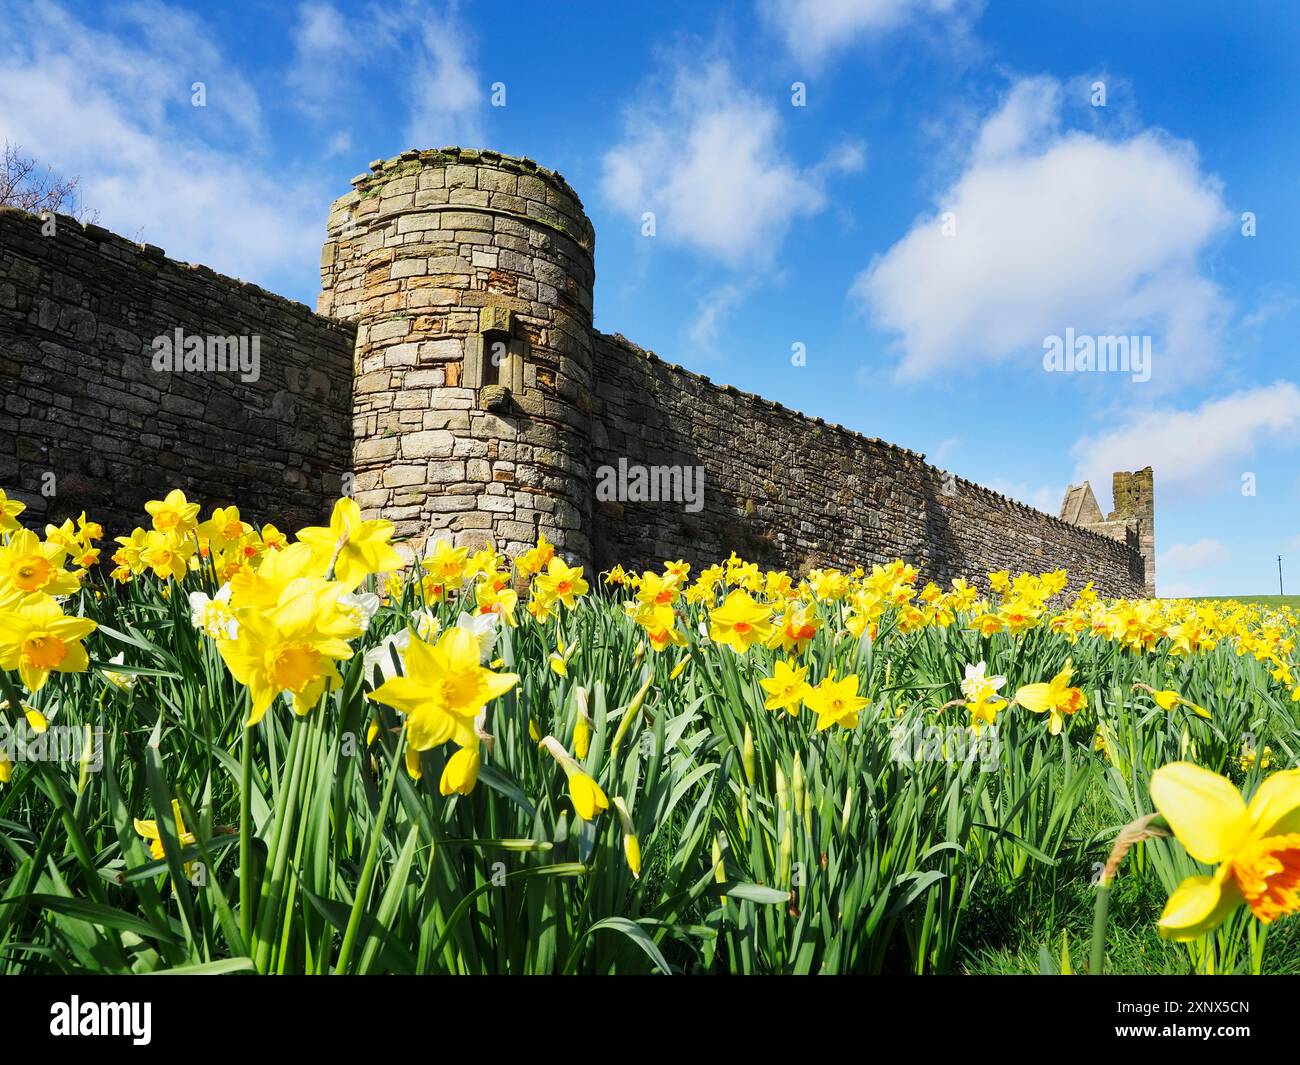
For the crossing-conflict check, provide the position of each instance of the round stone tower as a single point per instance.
(469, 275)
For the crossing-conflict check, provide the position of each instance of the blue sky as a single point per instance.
(949, 196)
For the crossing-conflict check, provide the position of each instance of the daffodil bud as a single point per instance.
(786, 852)
(632, 852)
(461, 772)
(747, 755)
(782, 795)
(631, 845)
(679, 669)
(848, 809)
(798, 786)
(640, 695)
(413, 763)
(589, 800)
(581, 736)
(629, 715)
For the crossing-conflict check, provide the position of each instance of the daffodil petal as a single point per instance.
(1275, 808)
(1198, 905)
(1035, 697)
(1205, 810)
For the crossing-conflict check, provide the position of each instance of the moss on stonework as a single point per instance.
(399, 165)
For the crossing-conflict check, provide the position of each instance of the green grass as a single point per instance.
(1273, 601)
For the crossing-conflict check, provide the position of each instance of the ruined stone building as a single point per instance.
(452, 379)
(1134, 515)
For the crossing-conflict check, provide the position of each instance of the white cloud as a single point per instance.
(711, 314)
(332, 79)
(1275, 301)
(944, 449)
(1184, 590)
(1194, 450)
(323, 46)
(816, 29)
(447, 97)
(339, 143)
(706, 157)
(114, 109)
(1056, 229)
(1191, 558)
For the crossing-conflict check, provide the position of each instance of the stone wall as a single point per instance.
(81, 399)
(469, 275)
(458, 376)
(793, 491)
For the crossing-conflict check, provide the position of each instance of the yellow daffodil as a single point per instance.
(175, 514)
(582, 735)
(795, 630)
(1250, 756)
(984, 712)
(535, 559)
(561, 582)
(740, 622)
(224, 529)
(1055, 698)
(659, 624)
(9, 511)
(1168, 699)
(836, 702)
(444, 689)
(588, 799)
(148, 830)
(291, 647)
(658, 589)
(445, 566)
(167, 555)
(36, 721)
(263, 585)
(786, 688)
(36, 639)
(28, 565)
(493, 599)
(1256, 846)
(357, 547)
(631, 845)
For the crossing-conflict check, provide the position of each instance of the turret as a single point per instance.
(469, 276)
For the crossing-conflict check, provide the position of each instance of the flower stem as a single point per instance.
(372, 858)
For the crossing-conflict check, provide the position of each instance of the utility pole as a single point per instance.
(1279, 576)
